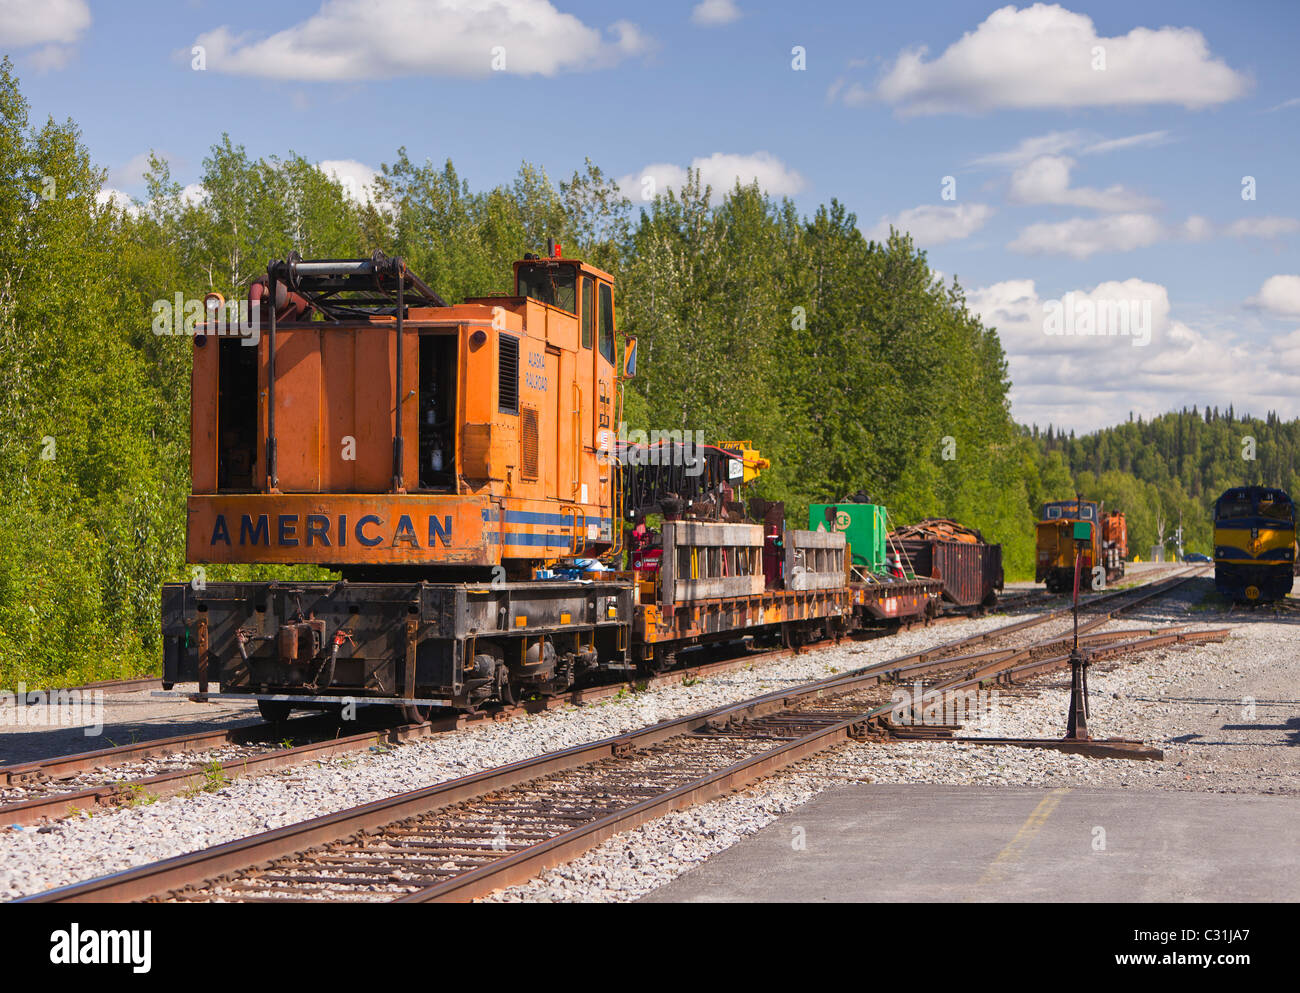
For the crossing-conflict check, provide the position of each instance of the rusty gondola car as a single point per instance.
(969, 568)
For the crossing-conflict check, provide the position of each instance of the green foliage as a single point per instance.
(214, 779)
(844, 360)
(94, 421)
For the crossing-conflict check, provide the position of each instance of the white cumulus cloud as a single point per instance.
(1280, 295)
(1056, 376)
(355, 177)
(55, 25)
(1132, 309)
(1044, 57)
(1263, 227)
(1028, 149)
(386, 39)
(1080, 237)
(194, 194)
(931, 224)
(1046, 180)
(720, 170)
(709, 13)
(119, 200)
(42, 22)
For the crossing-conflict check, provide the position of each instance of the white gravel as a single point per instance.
(34, 859)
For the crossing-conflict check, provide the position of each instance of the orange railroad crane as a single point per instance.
(435, 456)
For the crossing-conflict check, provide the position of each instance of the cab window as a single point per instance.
(1276, 510)
(550, 283)
(1229, 510)
(588, 304)
(607, 322)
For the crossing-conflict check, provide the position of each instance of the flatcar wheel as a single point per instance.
(659, 661)
(275, 711)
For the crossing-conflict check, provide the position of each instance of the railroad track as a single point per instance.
(1023, 598)
(462, 839)
(133, 685)
(48, 789)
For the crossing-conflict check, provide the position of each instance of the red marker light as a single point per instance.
(557, 250)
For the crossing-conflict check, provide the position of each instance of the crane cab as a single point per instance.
(373, 426)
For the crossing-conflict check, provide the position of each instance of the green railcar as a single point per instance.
(863, 525)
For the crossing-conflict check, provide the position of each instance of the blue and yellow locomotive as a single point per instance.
(1254, 544)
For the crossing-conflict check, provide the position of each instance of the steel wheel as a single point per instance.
(275, 711)
(505, 691)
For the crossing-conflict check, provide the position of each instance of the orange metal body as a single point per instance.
(490, 452)
(1114, 531)
(525, 486)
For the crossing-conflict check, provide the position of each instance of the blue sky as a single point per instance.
(1117, 181)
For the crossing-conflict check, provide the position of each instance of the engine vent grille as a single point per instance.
(508, 374)
(529, 416)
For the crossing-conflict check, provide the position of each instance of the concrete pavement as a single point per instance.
(959, 843)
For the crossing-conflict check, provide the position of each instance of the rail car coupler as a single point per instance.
(301, 640)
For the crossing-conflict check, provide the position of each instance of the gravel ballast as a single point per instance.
(77, 849)
(35, 859)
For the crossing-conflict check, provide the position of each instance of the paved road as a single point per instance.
(961, 843)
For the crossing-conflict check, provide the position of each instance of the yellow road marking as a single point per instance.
(996, 871)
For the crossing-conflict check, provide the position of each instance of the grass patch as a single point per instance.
(134, 795)
(214, 778)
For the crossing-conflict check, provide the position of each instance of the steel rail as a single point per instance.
(197, 867)
(1158, 588)
(55, 805)
(1010, 674)
(132, 685)
(59, 767)
(118, 793)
